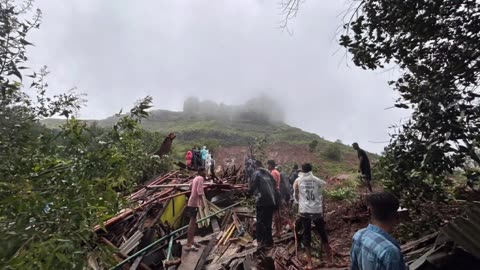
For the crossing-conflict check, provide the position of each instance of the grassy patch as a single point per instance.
(345, 191)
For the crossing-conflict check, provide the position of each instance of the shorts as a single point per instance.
(191, 212)
(305, 221)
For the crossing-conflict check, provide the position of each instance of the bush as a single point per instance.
(347, 190)
(334, 152)
(313, 146)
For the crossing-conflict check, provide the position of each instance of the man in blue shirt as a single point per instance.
(374, 248)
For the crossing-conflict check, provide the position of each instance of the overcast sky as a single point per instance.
(117, 51)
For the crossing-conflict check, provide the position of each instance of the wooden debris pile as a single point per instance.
(156, 212)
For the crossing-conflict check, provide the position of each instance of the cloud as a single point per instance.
(227, 51)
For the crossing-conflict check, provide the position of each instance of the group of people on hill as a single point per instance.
(373, 247)
(200, 158)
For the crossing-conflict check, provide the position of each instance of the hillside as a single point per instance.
(230, 139)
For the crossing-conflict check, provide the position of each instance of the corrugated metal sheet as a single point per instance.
(466, 231)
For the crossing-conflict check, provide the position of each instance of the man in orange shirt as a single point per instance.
(276, 215)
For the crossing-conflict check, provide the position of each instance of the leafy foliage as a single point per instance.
(345, 191)
(334, 152)
(55, 186)
(312, 146)
(258, 148)
(434, 45)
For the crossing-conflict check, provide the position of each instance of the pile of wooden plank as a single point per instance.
(157, 211)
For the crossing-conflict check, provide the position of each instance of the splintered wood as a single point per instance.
(156, 211)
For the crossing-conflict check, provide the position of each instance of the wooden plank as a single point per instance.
(248, 263)
(215, 226)
(197, 239)
(190, 259)
(205, 253)
(136, 263)
(226, 259)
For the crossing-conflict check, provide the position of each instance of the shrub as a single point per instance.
(334, 152)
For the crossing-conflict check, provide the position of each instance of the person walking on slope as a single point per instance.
(373, 247)
(276, 214)
(308, 194)
(263, 187)
(194, 202)
(364, 167)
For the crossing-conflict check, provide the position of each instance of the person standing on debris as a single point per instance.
(364, 167)
(373, 247)
(189, 157)
(204, 153)
(292, 177)
(194, 202)
(308, 193)
(276, 215)
(196, 160)
(263, 187)
(208, 163)
(212, 169)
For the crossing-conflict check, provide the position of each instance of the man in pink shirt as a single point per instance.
(194, 202)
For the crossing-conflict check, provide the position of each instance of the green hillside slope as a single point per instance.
(222, 134)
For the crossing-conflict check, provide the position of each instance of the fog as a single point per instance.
(117, 51)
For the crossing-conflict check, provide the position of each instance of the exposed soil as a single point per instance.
(280, 152)
(343, 218)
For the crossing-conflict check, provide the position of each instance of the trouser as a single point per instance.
(264, 224)
(367, 175)
(306, 223)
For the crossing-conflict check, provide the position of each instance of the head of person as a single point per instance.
(355, 146)
(306, 167)
(204, 147)
(271, 164)
(258, 164)
(383, 208)
(202, 171)
(295, 167)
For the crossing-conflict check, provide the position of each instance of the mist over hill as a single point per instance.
(260, 110)
(230, 129)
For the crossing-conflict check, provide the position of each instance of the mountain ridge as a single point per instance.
(230, 139)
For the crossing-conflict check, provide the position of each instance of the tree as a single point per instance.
(55, 186)
(334, 152)
(434, 46)
(258, 148)
(312, 146)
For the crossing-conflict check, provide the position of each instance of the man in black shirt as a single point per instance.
(263, 187)
(364, 168)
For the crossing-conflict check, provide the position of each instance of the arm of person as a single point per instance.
(296, 190)
(393, 260)
(253, 183)
(353, 258)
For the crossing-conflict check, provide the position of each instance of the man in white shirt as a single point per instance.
(308, 193)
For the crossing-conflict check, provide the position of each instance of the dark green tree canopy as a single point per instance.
(435, 47)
